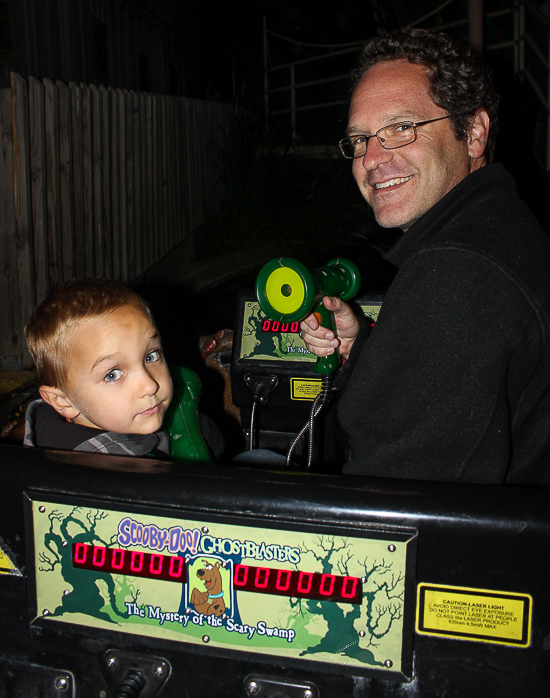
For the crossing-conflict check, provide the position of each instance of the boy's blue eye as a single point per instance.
(113, 375)
(152, 356)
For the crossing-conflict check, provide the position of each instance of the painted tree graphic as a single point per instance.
(64, 530)
(383, 597)
(265, 342)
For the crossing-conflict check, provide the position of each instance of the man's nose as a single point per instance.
(375, 155)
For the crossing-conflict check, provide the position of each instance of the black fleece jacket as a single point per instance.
(453, 382)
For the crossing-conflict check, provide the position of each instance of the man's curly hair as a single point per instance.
(459, 81)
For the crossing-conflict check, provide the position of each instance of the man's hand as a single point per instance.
(321, 341)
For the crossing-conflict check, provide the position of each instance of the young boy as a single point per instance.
(106, 385)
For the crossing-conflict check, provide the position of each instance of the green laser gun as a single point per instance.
(288, 291)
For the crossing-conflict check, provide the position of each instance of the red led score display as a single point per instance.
(305, 585)
(263, 580)
(169, 568)
(276, 326)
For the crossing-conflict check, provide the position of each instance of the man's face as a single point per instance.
(118, 378)
(402, 184)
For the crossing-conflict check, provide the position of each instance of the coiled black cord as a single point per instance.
(132, 685)
(318, 405)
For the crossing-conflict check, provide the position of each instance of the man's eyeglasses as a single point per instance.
(390, 137)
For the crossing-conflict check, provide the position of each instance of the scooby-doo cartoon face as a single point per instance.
(210, 601)
(211, 577)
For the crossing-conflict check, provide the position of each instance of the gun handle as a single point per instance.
(182, 420)
(326, 364)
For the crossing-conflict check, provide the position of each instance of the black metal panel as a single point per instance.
(474, 537)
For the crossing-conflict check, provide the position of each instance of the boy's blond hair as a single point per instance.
(63, 307)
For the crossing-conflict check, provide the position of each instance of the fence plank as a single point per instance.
(106, 192)
(163, 157)
(88, 180)
(10, 358)
(66, 182)
(115, 186)
(185, 154)
(152, 238)
(145, 203)
(106, 188)
(155, 178)
(172, 161)
(123, 184)
(78, 179)
(97, 140)
(128, 146)
(196, 189)
(183, 179)
(137, 225)
(53, 185)
(25, 277)
(38, 193)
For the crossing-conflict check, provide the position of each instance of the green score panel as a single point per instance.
(263, 339)
(322, 594)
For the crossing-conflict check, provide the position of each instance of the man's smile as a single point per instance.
(392, 182)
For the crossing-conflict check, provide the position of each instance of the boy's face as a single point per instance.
(118, 379)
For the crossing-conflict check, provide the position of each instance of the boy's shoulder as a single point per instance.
(46, 428)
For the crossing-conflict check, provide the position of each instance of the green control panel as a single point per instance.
(304, 593)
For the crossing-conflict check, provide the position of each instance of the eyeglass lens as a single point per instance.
(394, 136)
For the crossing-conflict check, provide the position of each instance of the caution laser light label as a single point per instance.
(474, 614)
(305, 388)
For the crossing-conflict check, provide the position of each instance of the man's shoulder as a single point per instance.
(485, 200)
(485, 220)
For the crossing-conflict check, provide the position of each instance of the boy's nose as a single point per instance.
(149, 385)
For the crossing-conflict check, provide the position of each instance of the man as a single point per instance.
(453, 382)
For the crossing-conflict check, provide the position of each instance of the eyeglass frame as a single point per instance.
(395, 147)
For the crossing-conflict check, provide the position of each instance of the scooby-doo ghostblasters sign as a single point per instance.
(322, 594)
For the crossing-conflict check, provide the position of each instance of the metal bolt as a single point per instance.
(362, 633)
(391, 548)
(66, 592)
(204, 529)
(252, 688)
(65, 544)
(45, 612)
(363, 580)
(111, 662)
(308, 693)
(61, 683)
(206, 638)
(159, 670)
(41, 509)
(388, 663)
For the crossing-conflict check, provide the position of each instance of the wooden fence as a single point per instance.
(95, 181)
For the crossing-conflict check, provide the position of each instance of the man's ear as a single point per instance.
(478, 134)
(58, 399)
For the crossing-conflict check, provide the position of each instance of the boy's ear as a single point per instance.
(57, 399)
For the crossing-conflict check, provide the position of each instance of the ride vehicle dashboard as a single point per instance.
(139, 577)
